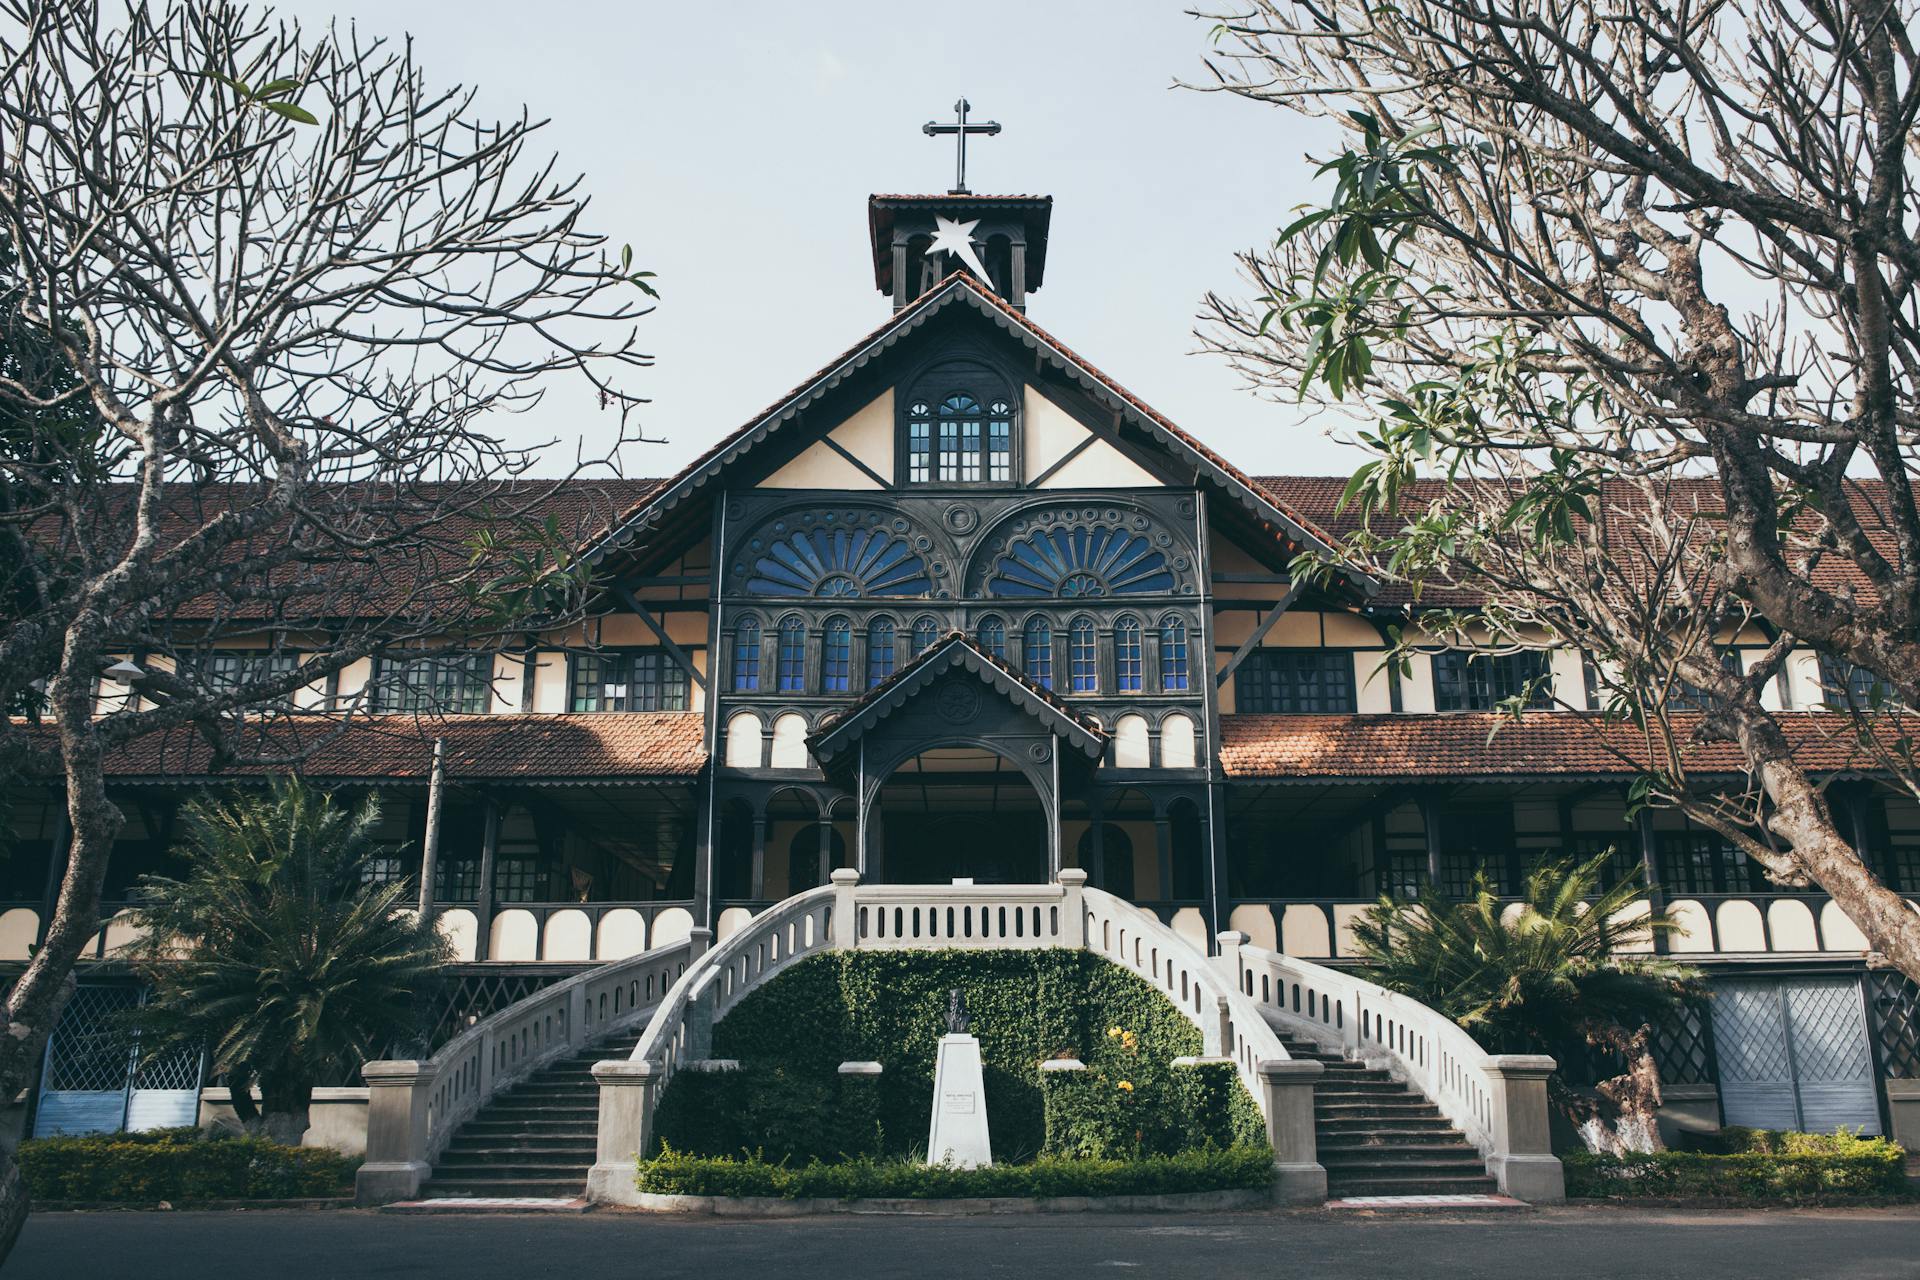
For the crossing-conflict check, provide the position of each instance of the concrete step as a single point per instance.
(1434, 1127)
(1408, 1183)
(519, 1171)
(549, 1187)
(1374, 1108)
(511, 1130)
(1392, 1159)
(496, 1157)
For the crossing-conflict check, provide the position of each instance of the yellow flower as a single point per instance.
(1114, 1033)
(1127, 1085)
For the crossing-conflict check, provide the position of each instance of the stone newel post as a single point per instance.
(396, 1132)
(1286, 1087)
(844, 928)
(1073, 910)
(1523, 1159)
(629, 1091)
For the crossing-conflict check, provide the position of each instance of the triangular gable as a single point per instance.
(960, 289)
(917, 677)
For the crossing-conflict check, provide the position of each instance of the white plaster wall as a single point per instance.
(1770, 691)
(549, 681)
(507, 685)
(1130, 742)
(1569, 678)
(789, 742)
(819, 466)
(1803, 676)
(1372, 683)
(353, 680)
(1047, 432)
(1177, 742)
(1101, 466)
(1416, 684)
(744, 746)
(868, 434)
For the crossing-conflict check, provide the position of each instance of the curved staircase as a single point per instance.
(535, 1139)
(1377, 1137)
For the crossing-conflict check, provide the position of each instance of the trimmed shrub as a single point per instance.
(679, 1173)
(790, 1103)
(181, 1166)
(1755, 1165)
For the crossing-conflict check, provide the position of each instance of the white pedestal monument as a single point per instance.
(957, 1135)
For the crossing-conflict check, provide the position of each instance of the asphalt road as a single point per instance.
(1643, 1244)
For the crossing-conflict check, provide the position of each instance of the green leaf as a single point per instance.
(299, 115)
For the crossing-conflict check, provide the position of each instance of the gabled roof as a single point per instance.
(961, 289)
(953, 651)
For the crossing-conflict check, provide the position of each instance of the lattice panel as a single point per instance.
(469, 998)
(90, 1049)
(1895, 1000)
(1683, 1046)
(1829, 1032)
(1750, 1033)
(177, 1068)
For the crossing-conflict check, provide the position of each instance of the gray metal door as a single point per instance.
(1794, 1054)
(93, 1082)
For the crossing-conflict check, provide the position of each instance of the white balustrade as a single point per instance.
(414, 1107)
(850, 916)
(1497, 1100)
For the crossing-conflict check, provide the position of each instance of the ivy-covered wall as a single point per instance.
(790, 1102)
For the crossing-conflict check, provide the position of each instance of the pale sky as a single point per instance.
(735, 146)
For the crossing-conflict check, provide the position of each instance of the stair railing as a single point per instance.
(848, 915)
(414, 1107)
(1499, 1101)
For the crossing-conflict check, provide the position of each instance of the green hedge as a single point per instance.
(790, 1102)
(181, 1166)
(1757, 1165)
(679, 1173)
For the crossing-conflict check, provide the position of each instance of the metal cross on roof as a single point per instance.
(960, 129)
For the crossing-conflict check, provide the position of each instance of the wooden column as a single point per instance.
(757, 886)
(430, 846)
(1430, 827)
(1163, 840)
(56, 871)
(483, 891)
(826, 848)
(1650, 868)
(1097, 845)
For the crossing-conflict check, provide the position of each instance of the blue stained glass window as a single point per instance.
(1036, 652)
(836, 656)
(992, 635)
(1173, 656)
(746, 655)
(925, 632)
(1082, 657)
(792, 671)
(1000, 442)
(879, 650)
(960, 438)
(1128, 667)
(919, 443)
(1069, 562)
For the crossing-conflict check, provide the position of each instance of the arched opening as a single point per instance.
(733, 857)
(1189, 854)
(802, 849)
(957, 813)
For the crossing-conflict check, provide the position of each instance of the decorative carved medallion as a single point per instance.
(958, 701)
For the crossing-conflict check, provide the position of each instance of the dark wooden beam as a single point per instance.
(1280, 606)
(674, 651)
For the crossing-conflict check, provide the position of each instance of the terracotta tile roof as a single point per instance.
(1315, 498)
(604, 746)
(1368, 748)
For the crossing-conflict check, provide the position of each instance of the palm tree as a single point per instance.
(1556, 976)
(274, 951)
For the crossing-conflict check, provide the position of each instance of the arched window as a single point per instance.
(1173, 656)
(992, 635)
(958, 427)
(1083, 660)
(1109, 865)
(925, 632)
(746, 655)
(1127, 663)
(792, 660)
(1036, 652)
(879, 650)
(836, 656)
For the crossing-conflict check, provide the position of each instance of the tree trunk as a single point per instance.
(1801, 817)
(286, 1107)
(13, 1202)
(1618, 1116)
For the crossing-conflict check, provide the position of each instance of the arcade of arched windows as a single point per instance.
(1113, 653)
